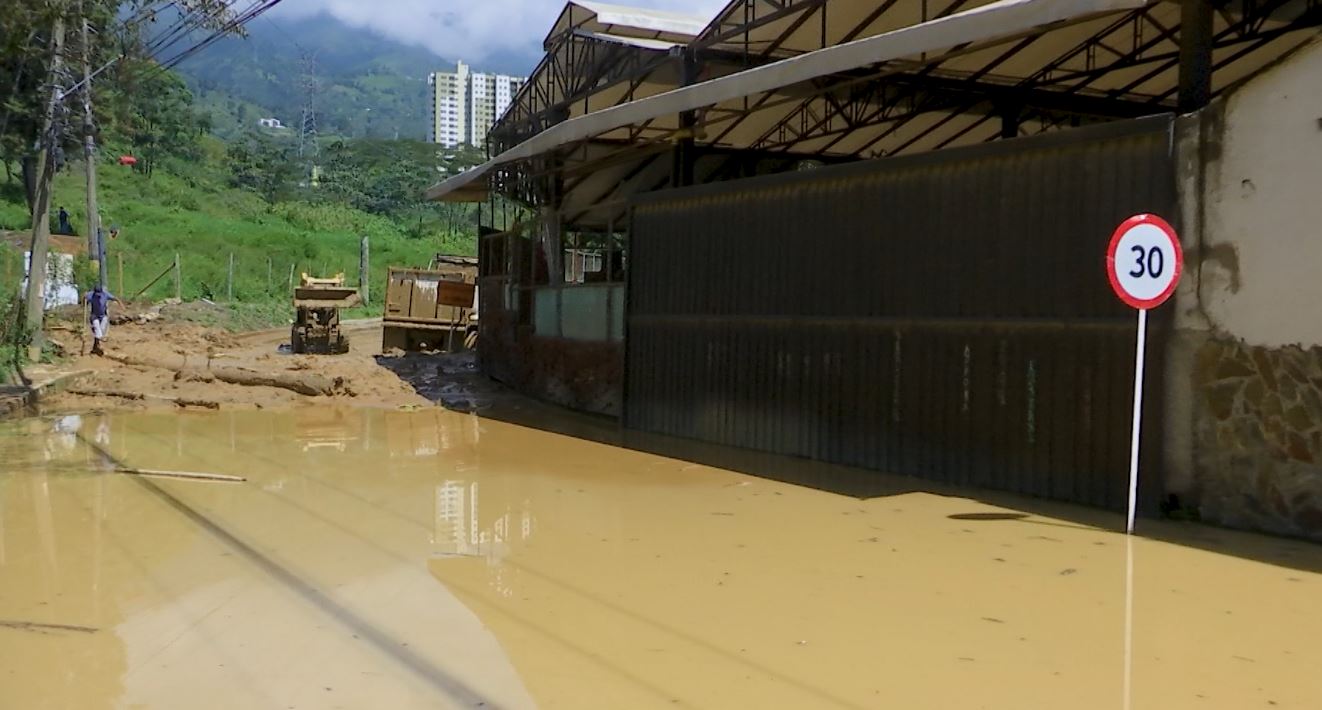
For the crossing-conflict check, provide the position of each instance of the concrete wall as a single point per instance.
(1264, 202)
(582, 375)
(1244, 377)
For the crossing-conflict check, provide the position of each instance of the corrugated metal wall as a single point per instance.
(945, 315)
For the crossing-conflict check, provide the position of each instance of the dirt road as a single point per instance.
(137, 351)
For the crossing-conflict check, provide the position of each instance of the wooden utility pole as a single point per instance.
(95, 248)
(364, 271)
(36, 293)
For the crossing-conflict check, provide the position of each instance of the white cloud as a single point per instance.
(471, 30)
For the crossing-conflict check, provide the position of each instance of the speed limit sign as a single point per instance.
(1145, 261)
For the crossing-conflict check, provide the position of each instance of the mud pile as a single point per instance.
(155, 359)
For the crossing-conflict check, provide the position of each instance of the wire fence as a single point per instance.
(227, 278)
(155, 277)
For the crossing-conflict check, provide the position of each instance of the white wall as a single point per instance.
(1262, 259)
(60, 287)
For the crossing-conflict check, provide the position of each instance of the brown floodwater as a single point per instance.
(379, 559)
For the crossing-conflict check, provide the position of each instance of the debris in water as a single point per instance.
(41, 628)
(190, 475)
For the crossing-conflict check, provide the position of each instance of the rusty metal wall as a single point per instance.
(944, 316)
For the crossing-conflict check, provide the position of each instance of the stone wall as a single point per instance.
(1258, 433)
(1243, 399)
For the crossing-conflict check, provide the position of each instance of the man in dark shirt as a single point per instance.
(98, 301)
(64, 227)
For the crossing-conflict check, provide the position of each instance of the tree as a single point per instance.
(387, 177)
(158, 119)
(258, 163)
(123, 28)
(24, 53)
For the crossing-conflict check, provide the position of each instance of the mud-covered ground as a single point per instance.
(172, 335)
(375, 558)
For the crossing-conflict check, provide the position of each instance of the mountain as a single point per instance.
(368, 85)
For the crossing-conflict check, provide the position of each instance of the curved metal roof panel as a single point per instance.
(987, 23)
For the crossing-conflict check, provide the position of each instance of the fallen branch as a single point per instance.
(198, 403)
(40, 628)
(138, 397)
(174, 364)
(304, 383)
(188, 475)
(107, 393)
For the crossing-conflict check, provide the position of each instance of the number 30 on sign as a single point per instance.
(1144, 261)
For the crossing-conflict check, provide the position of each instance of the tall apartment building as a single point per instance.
(466, 104)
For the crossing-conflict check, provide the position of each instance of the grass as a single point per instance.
(189, 210)
(235, 317)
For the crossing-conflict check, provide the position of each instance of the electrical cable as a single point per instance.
(255, 10)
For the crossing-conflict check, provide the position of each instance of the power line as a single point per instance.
(254, 11)
(183, 27)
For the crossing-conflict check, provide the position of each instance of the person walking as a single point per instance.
(65, 227)
(98, 301)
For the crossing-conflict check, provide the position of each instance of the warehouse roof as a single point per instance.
(862, 78)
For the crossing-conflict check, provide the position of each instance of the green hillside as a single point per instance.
(209, 185)
(194, 212)
(369, 86)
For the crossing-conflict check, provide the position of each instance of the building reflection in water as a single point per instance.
(462, 531)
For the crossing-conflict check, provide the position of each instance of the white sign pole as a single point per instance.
(1138, 416)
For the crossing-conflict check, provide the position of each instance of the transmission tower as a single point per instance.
(307, 135)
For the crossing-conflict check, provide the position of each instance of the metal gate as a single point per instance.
(945, 315)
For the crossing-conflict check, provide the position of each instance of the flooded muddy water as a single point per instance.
(427, 559)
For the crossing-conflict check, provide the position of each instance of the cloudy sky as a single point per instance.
(472, 30)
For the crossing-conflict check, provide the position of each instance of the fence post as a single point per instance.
(364, 282)
(119, 261)
(268, 275)
(178, 279)
(291, 278)
(229, 283)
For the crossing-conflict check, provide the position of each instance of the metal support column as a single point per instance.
(685, 150)
(1195, 55)
(1010, 117)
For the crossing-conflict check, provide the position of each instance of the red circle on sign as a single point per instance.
(1124, 230)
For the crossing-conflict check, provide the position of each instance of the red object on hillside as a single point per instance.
(127, 160)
